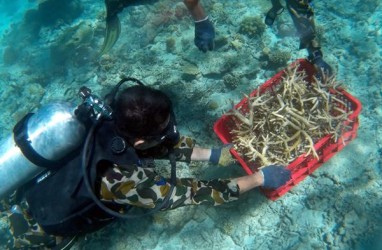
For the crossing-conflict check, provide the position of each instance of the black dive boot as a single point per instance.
(276, 10)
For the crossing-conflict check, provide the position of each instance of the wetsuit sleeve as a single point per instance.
(184, 148)
(303, 18)
(143, 187)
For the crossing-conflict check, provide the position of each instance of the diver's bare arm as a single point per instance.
(195, 9)
(250, 182)
(200, 154)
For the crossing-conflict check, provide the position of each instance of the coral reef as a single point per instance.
(252, 26)
(276, 58)
(231, 81)
(283, 123)
(49, 13)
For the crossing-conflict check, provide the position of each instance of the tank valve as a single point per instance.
(92, 106)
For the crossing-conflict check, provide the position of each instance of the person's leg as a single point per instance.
(26, 233)
(303, 18)
(5, 235)
(195, 9)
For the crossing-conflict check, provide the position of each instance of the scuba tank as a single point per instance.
(40, 140)
(45, 140)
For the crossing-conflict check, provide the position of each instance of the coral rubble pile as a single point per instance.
(287, 120)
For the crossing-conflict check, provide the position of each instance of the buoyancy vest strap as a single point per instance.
(20, 136)
(110, 97)
(171, 156)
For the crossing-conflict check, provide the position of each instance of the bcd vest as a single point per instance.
(61, 204)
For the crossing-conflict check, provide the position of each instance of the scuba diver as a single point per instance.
(204, 29)
(113, 170)
(300, 10)
(303, 18)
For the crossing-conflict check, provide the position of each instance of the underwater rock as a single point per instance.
(52, 11)
(48, 14)
(351, 219)
(170, 44)
(10, 55)
(328, 238)
(72, 45)
(212, 105)
(220, 42)
(189, 71)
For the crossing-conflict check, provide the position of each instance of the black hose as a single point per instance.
(110, 97)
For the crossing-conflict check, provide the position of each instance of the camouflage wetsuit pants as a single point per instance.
(133, 185)
(22, 231)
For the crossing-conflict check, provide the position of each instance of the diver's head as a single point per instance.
(143, 116)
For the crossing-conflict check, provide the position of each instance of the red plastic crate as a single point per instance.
(303, 165)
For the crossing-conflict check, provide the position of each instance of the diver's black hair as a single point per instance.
(140, 111)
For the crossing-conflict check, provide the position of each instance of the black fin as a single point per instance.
(113, 29)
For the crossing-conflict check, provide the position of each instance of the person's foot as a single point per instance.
(272, 14)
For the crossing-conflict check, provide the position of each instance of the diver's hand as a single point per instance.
(323, 69)
(222, 156)
(275, 176)
(204, 35)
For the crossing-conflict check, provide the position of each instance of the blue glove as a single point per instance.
(204, 35)
(222, 156)
(275, 176)
(322, 67)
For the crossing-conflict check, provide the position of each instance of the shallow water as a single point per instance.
(339, 207)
